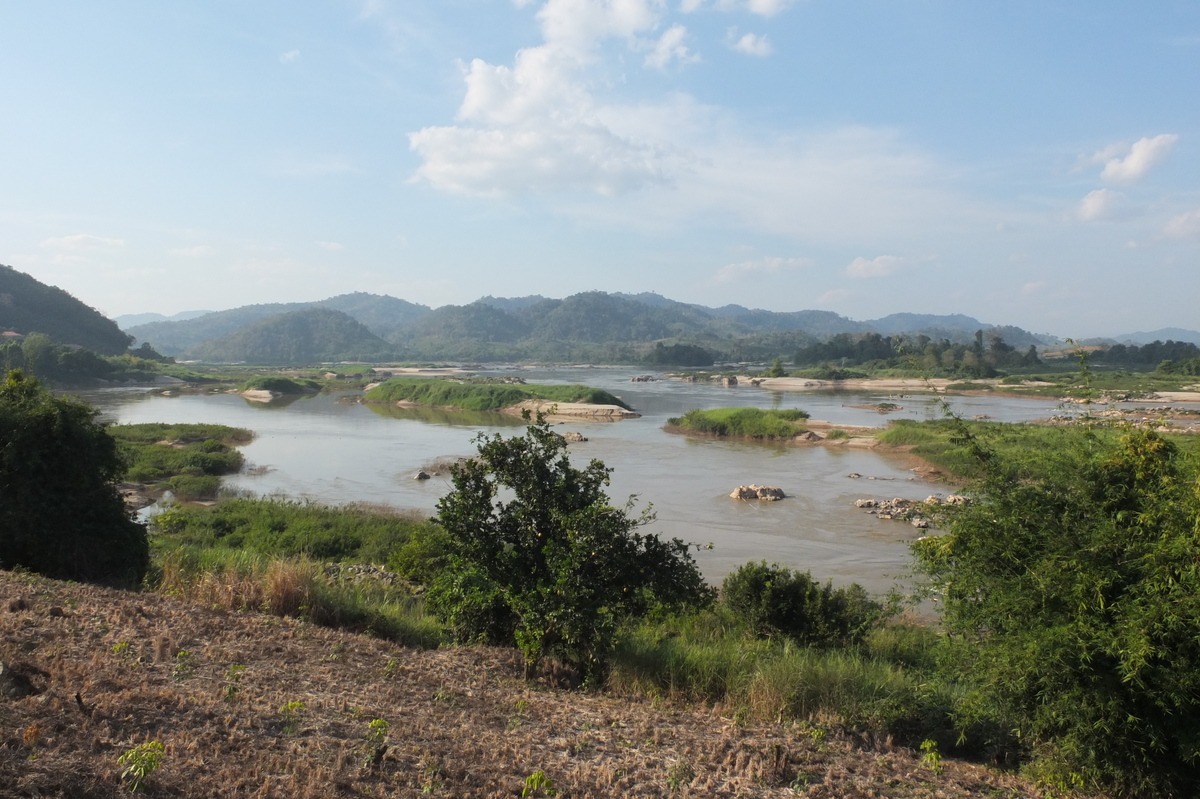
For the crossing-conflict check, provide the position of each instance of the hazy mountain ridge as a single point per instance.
(1162, 334)
(29, 306)
(592, 325)
(308, 335)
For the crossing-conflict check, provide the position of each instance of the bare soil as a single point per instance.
(108, 675)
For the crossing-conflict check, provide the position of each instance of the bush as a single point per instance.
(749, 422)
(1072, 596)
(60, 511)
(553, 560)
(775, 601)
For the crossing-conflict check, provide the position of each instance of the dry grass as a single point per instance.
(462, 722)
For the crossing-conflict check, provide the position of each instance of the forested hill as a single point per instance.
(310, 335)
(591, 326)
(30, 306)
(382, 314)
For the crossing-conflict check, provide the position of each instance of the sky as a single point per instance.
(1034, 163)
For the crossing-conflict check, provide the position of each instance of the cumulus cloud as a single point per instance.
(536, 126)
(83, 241)
(290, 57)
(670, 47)
(765, 266)
(1126, 164)
(881, 266)
(1186, 225)
(749, 43)
(1102, 204)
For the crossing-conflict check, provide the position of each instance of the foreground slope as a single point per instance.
(462, 722)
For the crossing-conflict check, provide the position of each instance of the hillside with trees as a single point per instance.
(29, 306)
(311, 335)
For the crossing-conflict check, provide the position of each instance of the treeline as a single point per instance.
(980, 358)
(1172, 357)
(39, 355)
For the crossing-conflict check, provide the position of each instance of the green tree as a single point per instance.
(60, 511)
(776, 369)
(538, 557)
(1072, 601)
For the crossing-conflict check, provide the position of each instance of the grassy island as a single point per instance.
(188, 459)
(477, 396)
(281, 385)
(744, 422)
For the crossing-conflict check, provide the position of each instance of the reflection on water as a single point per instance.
(338, 451)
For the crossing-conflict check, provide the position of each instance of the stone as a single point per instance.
(421, 475)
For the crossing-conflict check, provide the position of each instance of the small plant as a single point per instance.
(391, 668)
(680, 774)
(376, 739)
(233, 681)
(836, 434)
(121, 650)
(538, 781)
(140, 762)
(930, 756)
(290, 712)
(185, 666)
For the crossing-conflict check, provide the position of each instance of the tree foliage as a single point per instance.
(60, 511)
(540, 558)
(1072, 600)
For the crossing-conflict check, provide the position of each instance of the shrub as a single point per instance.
(60, 511)
(775, 601)
(749, 422)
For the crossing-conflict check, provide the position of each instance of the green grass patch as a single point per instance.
(482, 396)
(187, 458)
(969, 386)
(747, 422)
(281, 385)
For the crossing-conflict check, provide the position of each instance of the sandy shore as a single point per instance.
(561, 411)
(1173, 396)
(898, 385)
(259, 395)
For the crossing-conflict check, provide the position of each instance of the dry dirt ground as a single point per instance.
(108, 673)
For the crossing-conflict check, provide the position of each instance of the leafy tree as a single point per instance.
(776, 369)
(538, 557)
(1071, 594)
(60, 512)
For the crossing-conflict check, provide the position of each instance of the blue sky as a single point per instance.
(1029, 163)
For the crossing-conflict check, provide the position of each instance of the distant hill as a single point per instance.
(1163, 334)
(382, 314)
(126, 321)
(511, 304)
(309, 335)
(29, 306)
(905, 322)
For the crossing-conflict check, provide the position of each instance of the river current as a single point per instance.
(339, 452)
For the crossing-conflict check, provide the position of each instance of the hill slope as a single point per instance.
(29, 306)
(305, 336)
(462, 722)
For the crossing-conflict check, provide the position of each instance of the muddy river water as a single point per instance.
(339, 452)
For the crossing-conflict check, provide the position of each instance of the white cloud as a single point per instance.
(1035, 287)
(290, 57)
(536, 126)
(1186, 225)
(329, 246)
(1102, 204)
(765, 8)
(1128, 164)
(833, 296)
(192, 252)
(766, 266)
(881, 266)
(670, 47)
(83, 241)
(749, 43)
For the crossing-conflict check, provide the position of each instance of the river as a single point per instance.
(339, 452)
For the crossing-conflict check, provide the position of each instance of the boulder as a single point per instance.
(421, 475)
(572, 436)
(729, 382)
(769, 493)
(807, 435)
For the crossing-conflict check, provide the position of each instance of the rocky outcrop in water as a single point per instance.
(769, 493)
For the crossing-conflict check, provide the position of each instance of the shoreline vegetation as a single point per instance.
(186, 459)
(485, 395)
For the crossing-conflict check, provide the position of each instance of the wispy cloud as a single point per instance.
(1186, 225)
(670, 47)
(290, 57)
(1032, 288)
(749, 43)
(330, 246)
(767, 266)
(1103, 204)
(191, 252)
(833, 296)
(83, 241)
(880, 266)
(765, 8)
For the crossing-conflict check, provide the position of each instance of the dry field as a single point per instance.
(109, 675)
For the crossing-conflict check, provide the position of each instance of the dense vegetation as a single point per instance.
(187, 459)
(30, 306)
(281, 385)
(311, 335)
(481, 396)
(60, 512)
(982, 357)
(747, 422)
